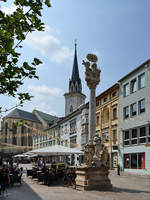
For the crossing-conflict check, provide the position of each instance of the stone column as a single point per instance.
(93, 175)
(92, 110)
(92, 78)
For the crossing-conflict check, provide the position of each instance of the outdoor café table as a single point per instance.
(38, 173)
(29, 172)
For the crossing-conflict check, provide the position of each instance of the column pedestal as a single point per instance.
(93, 178)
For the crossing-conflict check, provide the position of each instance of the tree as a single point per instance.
(14, 29)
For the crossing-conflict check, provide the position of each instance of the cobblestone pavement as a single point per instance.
(125, 187)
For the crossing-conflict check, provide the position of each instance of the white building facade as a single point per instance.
(135, 120)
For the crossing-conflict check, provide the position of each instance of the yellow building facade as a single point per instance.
(107, 122)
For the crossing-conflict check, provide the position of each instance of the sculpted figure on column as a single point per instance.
(92, 72)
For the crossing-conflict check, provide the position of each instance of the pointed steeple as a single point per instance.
(75, 81)
(74, 98)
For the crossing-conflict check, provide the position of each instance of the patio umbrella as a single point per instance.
(20, 156)
(56, 150)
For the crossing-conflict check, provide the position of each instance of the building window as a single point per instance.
(114, 136)
(14, 129)
(114, 94)
(105, 99)
(105, 118)
(71, 109)
(134, 136)
(126, 90)
(133, 86)
(141, 160)
(126, 161)
(22, 141)
(66, 143)
(97, 103)
(142, 138)
(105, 137)
(73, 141)
(142, 106)
(114, 113)
(73, 126)
(149, 135)
(97, 121)
(6, 128)
(126, 138)
(14, 140)
(126, 112)
(133, 109)
(141, 80)
(134, 161)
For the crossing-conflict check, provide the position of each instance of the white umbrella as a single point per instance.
(32, 155)
(28, 153)
(56, 150)
(20, 156)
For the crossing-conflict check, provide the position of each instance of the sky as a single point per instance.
(117, 31)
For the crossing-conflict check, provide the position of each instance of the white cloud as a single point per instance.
(44, 91)
(44, 98)
(48, 100)
(49, 46)
(9, 10)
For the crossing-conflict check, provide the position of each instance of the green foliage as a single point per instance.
(13, 31)
(61, 166)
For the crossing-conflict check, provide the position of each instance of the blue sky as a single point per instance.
(117, 31)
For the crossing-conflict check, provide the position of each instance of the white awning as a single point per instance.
(20, 156)
(56, 150)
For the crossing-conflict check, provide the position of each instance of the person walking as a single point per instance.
(5, 180)
(118, 169)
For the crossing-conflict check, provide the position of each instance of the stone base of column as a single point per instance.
(93, 178)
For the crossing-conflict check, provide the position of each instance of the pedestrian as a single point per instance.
(118, 169)
(5, 179)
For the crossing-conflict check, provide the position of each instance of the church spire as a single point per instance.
(75, 81)
(74, 98)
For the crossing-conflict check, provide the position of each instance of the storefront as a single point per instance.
(134, 161)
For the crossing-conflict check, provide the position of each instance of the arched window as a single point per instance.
(71, 108)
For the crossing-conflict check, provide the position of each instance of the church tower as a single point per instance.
(74, 98)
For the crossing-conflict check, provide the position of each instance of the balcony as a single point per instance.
(105, 125)
(72, 131)
(114, 122)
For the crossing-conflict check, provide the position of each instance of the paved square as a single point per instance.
(125, 187)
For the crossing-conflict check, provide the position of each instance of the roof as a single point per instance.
(116, 85)
(75, 72)
(21, 114)
(46, 117)
(136, 69)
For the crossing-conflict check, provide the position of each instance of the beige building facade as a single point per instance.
(107, 122)
(17, 132)
(22, 131)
